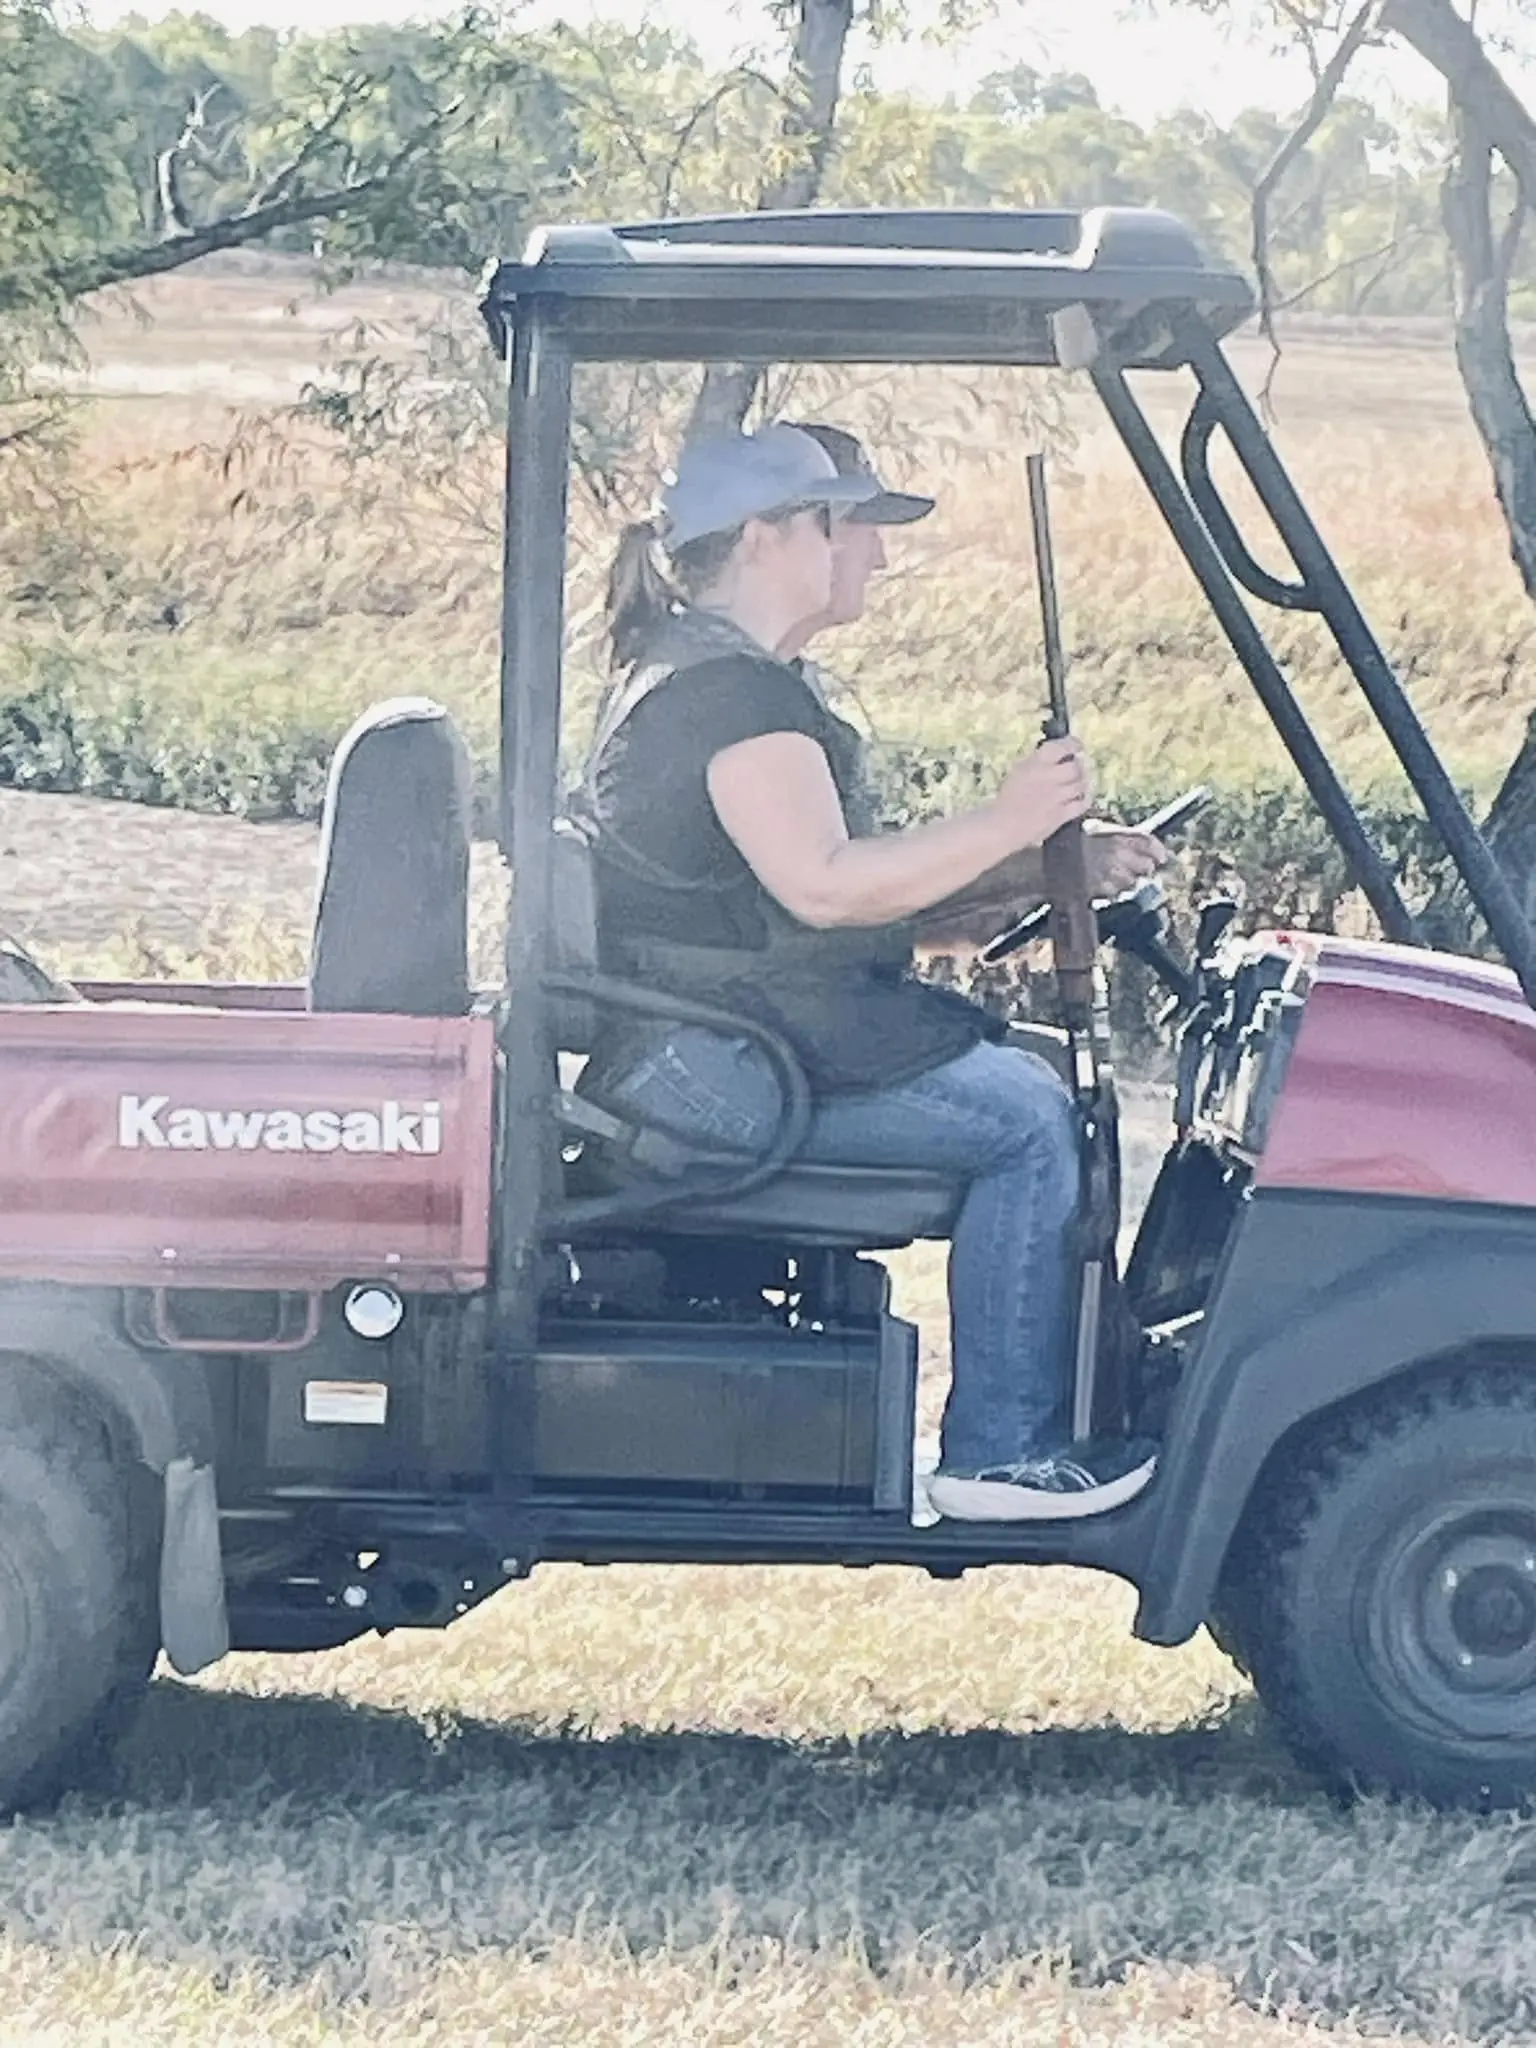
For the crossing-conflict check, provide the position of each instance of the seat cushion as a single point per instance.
(867, 1208)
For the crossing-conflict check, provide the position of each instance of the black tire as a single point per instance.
(1224, 1625)
(1383, 1591)
(78, 1597)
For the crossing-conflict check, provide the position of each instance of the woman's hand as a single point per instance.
(1049, 788)
(1119, 857)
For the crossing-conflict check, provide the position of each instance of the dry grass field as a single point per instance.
(710, 1809)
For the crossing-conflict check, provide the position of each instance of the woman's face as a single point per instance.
(858, 552)
(797, 554)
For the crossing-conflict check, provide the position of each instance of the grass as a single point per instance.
(612, 1805)
(739, 1809)
(753, 1806)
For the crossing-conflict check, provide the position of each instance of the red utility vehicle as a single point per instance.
(327, 1309)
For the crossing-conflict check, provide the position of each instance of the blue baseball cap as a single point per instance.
(723, 480)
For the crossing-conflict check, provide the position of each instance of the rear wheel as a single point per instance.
(78, 1609)
(1383, 1594)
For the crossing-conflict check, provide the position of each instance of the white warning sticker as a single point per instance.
(355, 1401)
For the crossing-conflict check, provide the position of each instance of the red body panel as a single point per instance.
(1412, 1074)
(162, 1146)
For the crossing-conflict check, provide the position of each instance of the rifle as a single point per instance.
(1074, 944)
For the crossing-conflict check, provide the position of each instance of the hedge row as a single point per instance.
(65, 731)
(1266, 848)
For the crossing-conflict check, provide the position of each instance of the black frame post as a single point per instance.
(1324, 590)
(533, 630)
(1248, 644)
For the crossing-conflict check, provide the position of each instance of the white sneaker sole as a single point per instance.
(997, 1500)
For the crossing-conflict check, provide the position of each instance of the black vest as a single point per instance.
(847, 1000)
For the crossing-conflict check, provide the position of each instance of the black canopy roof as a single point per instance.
(871, 286)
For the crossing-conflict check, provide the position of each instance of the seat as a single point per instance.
(860, 1208)
(391, 930)
(866, 1208)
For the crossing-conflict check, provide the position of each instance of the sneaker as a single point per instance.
(1079, 1479)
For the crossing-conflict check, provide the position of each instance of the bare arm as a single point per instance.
(1119, 856)
(775, 797)
(993, 899)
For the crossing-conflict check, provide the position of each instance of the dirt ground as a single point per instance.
(77, 873)
(94, 886)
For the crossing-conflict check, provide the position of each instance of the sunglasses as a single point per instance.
(825, 516)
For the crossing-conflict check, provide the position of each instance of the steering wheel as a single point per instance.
(1132, 921)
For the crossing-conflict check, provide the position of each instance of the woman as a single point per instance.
(735, 864)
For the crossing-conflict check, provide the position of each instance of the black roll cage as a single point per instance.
(1109, 291)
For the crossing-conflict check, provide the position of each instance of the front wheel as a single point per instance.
(1387, 1592)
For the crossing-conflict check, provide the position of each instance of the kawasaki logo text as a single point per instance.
(149, 1123)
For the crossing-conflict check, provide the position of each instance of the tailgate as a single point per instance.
(151, 1146)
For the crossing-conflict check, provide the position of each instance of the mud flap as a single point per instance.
(194, 1625)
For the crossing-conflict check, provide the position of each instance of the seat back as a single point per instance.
(572, 939)
(391, 931)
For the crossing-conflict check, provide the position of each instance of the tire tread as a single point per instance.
(1258, 1605)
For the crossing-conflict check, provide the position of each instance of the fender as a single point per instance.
(161, 1399)
(1318, 1297)
(161, 1404)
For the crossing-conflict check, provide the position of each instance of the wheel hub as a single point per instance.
(1454, 1618)
(1493, 1613)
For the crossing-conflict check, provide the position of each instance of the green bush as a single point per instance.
(68, 726)
(1264, 847)
(64, 726)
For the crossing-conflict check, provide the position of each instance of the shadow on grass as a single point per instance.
(288, 1835)
(213, 1748)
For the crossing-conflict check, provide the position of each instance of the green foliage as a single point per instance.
(458, 135)
(1264, 847)
(65, 727)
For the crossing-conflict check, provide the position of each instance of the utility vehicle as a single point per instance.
(329, 1308)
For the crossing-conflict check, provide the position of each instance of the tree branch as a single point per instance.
(810, 122)
(350, 95)
(733, 82)
(1386, 250)
(173, 214)
(1448, 42)
(1325, 91)
(1484, 356)
(126, 265)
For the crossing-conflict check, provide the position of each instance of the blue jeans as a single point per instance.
(998, 1117)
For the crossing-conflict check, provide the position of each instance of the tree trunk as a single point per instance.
(1480, 274)
(810, 122)
(1449, 42)
(1486, 116)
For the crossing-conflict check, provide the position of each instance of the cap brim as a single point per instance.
(892, 508)
(856, 492)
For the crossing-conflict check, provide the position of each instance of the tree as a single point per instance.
(819, 34)
(1488, 185)
(215, 144)
(804, 144)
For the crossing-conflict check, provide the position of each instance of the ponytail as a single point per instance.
(641, 597)
(647, 585)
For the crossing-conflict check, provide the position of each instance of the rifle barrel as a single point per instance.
(1050, 607)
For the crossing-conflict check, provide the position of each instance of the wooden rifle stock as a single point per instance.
(1074, 927)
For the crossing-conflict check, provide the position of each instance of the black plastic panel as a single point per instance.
(726, 1412)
